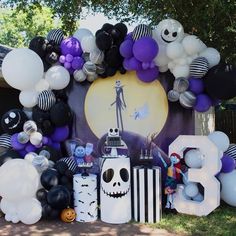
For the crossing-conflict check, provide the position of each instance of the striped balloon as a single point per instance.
(46, 99)
(5, 141)
(231, 151)
(141, 31)
(71, 164)
(55, 35)
(199, 67)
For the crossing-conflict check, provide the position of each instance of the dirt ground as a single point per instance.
(97, 228)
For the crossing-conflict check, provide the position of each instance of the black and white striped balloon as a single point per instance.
(46, 99)
(141, 31)
(199, 67)
(55, 35)
(5, 141)
(231, 151)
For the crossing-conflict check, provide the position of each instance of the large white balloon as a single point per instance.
(88, 44)
(193, 158)
(28, 98)
(228, 191)
(81, 33)
(220, 139)
(193, 45)
(29, 211)
(42, 85)
(22, 68)
(57, 77)
(181, 71)
(212, 56)
(19, 179)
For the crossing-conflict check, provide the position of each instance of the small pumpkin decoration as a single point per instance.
(68, 215)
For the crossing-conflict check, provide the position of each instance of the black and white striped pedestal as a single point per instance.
(147, 194)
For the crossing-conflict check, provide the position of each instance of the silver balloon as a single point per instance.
(40, 163)
(30, 127)
(100, 69)
(173, 96)
(89, 68)
(86, 56)
(45, 153)
(23, 137)
(79, 75)
(181, 84)
(187, 99)
(91, 78)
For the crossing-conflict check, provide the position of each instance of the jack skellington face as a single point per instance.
(168, 31)
(115, 182)
(13, 121)
(113, 132)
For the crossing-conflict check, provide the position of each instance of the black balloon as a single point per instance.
(41, 195)
(220, 82)
(103, 41)
(113, 57)
(47, 127)
(39, 115)
(49, 178)
(60, 114)
(8, 155)
(13, 121)
(59, 197)
(39, 45)
(61, 167)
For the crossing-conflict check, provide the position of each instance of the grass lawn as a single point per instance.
(220, 222)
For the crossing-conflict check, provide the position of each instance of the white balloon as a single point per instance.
(30, 156)
(8, 206)
(19, 179)
(29, 211)
(181, 71)
(81, 33)
(28, 98)
(22, 68)
(171, 65)
(181, 61)
(228, 191)
(36, 138)
(198, 198)
(174, 50)
(58, 77)
(212, 56)
(88, 43)
(193, 158)
(193, 45)
(220, 139)
(163, 69)
(42, 85)
(161, 59)
(191, 190)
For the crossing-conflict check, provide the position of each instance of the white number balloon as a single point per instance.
(204, 175)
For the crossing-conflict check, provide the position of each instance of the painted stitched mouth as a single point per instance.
(15, 125)
(119, 194)
(166, 40)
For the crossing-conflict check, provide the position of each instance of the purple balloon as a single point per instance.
(30, 148)
(62, 59)
(126, 48)
(60, 134)
(67, 65)
(148, 75)
(15, 144)
(56, 146)
(45, 140)
(22, 153)
(203, 103)
(77, 63)
(126, 64)
(196, 85)
(69, 58)
(228, 164)
(145, 49)
(71, 46)
(129, 36)
(134, 64)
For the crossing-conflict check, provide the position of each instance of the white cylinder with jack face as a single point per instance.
(115, 190)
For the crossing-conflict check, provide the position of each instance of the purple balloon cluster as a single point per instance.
(139, 56)
(71, 56)
(203, 101)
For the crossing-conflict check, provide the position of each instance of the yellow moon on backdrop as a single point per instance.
(146, 105)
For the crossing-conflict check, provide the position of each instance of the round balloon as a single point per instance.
(81, 33)
(28, 98)
(203, 103)
(22, 68)
(228, 164)
(212, 56)
(49, 178)
(191, 190)
(193, 158)
(220, 139)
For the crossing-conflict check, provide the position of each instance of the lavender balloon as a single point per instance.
(126, 48)
(145, 49)
(30, 148)
(60, 134)
(148, 75)
(203, 103)
(77, 63)
(15, 144)
(71, 46)
(196, 85)
(228, 164)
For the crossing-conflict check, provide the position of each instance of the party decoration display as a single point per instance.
(204, 175)
(85, 197)
(22, 77)
(68, 215)
(18, 202)
(147, 194)
(46, 99)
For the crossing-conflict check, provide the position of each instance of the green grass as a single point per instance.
(220, 222)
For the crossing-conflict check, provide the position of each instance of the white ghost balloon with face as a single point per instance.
(115, 190)
(168, 31)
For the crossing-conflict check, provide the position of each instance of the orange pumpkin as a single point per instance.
(68, 215)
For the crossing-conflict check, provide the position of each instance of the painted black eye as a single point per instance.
(166, 32)
(116, 130)
(124, 174)
(174, 34)
(108, 175)
(111, 130)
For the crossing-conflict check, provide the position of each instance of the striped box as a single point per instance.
(147, 194)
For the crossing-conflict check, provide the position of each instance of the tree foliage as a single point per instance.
(18, 27)
(214, 21)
